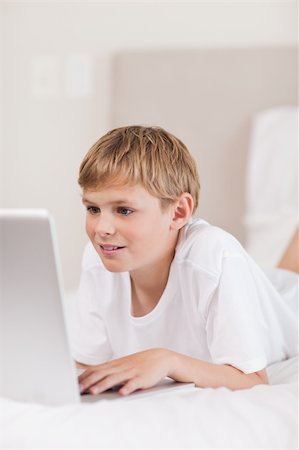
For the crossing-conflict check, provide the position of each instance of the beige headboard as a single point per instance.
(208, 99)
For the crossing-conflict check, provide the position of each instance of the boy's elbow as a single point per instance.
(249, 380)
(259, 377)
(262, 376)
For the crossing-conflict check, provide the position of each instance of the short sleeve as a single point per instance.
(234, 324)
(88, 337)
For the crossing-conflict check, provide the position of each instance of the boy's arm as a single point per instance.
(205, 374)
(145, 369)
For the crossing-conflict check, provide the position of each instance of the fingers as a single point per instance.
(137, 371)
(98, 386)
(104, 377)
(96, 382)
(92, 369)
(131, 386)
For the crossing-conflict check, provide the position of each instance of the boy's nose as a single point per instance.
(105, 226)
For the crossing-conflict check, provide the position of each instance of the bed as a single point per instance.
(227, 119)
(264, 417)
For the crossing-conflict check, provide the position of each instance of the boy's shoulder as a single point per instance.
(205, 245)
(199, 230)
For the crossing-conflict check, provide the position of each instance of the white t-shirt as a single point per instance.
(218, 306)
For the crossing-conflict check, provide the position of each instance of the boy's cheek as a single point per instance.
(89, 229)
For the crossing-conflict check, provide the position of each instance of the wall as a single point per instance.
(57, 84)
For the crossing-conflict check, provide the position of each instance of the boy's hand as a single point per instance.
(137, 371)
(145, 369)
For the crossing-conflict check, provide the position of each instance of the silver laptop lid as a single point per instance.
(35, 358)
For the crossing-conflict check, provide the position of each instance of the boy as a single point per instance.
(162, 294)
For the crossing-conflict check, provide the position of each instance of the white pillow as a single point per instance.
(272, 184)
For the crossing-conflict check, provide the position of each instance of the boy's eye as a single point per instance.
(125, 211)
(93, 209)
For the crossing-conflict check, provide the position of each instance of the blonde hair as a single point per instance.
(150, 156)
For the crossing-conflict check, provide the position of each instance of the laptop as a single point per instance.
(35, 357)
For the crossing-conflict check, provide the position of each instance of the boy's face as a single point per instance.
(128, 228)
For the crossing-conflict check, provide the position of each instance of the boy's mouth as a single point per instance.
(110, 249)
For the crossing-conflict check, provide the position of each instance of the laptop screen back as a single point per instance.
(34, 351)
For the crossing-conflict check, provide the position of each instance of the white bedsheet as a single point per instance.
(264, 417)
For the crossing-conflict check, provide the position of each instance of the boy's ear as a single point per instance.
(182, 212)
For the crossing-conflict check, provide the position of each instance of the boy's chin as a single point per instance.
(114, 268)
